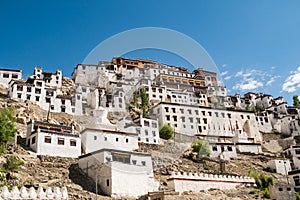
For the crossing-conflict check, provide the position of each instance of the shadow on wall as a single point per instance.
(80, 178)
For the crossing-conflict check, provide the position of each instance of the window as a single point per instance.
(297, 151)
(61, 141)
(215, 148)
(95, 137)
(28, 97)
(126, 140)
(5, 75)
(144, 163)
(146, 132)
(203, 113)
(47, 139)
(205, 120)
(73, 143)
(182, 119)
(117, 139)
(154, 133)
(191, 119)
(39, 84)
(47, 100)
(146, 123)
(181, 110)
(37, 98)
(242, 116)
(209, 113)
(107, 182)
(154, 125)
(20, 88)
(280, 189)
(19, 96)
(28, 89)
(78, 97)
(288, 189)
(296, 180)
(105, 138)
(173, 110)
(37, 90)
(147, 139)
(14, 76)
(134, 162)
(175, 118)
(49, 93)
(168, 117)
(63, 101)
(63, 109)
(33, 140)
(229, 148)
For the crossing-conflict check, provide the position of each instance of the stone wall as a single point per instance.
(32, 193)
(197, 182)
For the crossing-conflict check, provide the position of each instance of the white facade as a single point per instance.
(53, 140)
(224, 151)
(148, 131)
(6, 75)
(198, 182)
(43, 88)
(101, 134)
(95, 139)
(280, 166)
(43, 96)
(120, 173)
(195, 120)
(294, 177)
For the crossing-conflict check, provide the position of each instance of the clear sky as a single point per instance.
(255, 44)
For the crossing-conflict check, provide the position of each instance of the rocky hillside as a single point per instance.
(49, 171)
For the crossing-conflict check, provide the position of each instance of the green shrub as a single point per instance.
(201, 147)
(166, 132)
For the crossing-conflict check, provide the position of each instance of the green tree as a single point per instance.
(201, 147)
(7, 127)
(262, 181)
(12, 164)
(145, 102)
(249, 108)
(296, 101)
(166, 132)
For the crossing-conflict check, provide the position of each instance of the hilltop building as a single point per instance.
(43, 89)
(6, 75)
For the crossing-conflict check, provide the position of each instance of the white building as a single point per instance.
(280, 166)
(120, 173)
(204, 121)
(43, 89)
(53, 139)
(6, 75)
(147, 131)
(294, 177)
(101, 134)
(197, 182)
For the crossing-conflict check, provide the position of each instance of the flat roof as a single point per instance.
(114, 150)
(109, 131)
(11, 70)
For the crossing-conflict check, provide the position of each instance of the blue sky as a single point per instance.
(255, 44)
